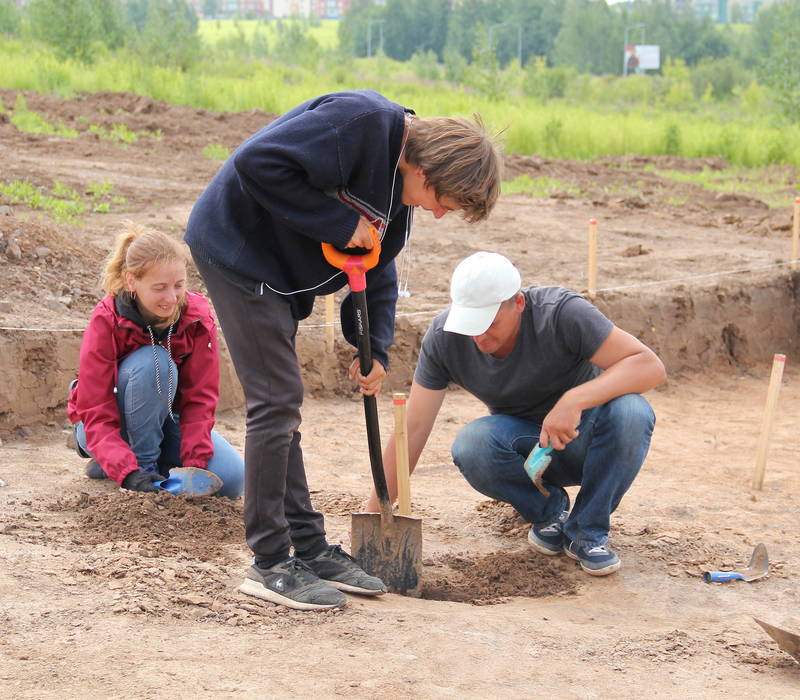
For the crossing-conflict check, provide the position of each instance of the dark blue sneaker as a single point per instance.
(597, 560)
(549, 537)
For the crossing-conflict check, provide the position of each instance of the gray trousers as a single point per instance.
(260, 333)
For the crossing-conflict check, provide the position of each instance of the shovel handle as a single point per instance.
(371, 405)
(355, 266)
(722, 576)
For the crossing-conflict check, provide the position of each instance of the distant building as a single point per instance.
(324, 9)
(723, 11)
(289, 8)
(231, 8)
(329, 9)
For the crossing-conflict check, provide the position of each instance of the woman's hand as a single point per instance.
(371, 384)
(141, 481)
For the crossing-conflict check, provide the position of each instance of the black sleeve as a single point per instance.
(291, 170)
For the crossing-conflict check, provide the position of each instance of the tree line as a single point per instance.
(163, 32)
(466, 42)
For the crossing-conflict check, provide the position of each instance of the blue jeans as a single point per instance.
(147, 427)
(604, 460)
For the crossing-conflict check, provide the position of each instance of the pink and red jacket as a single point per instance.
(107, 340)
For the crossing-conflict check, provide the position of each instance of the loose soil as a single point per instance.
(129, 594)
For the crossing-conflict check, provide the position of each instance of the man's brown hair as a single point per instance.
(459, 160)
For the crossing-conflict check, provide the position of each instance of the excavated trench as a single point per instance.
(738, 323)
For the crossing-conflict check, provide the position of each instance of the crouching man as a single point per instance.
(552, 369)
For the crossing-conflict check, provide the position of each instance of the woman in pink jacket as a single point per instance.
(148, 380)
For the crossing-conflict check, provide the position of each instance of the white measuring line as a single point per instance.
(436, 311)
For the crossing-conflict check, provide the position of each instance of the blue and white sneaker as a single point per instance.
(597, 560)
(549, 538)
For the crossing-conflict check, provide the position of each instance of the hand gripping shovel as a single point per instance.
(385, 545)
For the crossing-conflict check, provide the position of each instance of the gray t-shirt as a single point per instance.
(559, 332)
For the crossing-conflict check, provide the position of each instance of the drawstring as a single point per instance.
(170, 383)
(404, 272)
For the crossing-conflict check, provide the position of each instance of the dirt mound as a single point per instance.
(151, 119)
(494, 578)
(58, 271)
(167, 524)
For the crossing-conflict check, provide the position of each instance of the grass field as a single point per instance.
(216, 31)
(558, 128)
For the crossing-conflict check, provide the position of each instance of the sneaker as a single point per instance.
(337, 568)
(596, 560)
(94, 470)
(293, 584)
(548, 539)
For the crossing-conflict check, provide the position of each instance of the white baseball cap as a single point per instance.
(480, 283)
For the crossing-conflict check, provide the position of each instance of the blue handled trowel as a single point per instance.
(538, 460)
(190, 481)
(757, 568)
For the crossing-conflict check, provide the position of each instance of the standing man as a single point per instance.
(329, 170)
(552, 369)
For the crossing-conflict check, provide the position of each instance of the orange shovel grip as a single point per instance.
(339, 258)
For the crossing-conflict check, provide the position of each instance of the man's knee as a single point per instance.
(631, 414)
(471, 442)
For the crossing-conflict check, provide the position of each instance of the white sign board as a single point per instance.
(649, 56)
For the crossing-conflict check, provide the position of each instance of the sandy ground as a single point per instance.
(120, 594)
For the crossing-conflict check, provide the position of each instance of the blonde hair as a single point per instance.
(459, 160)
(136, 250)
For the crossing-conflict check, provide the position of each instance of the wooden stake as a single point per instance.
(592, 285)
(401, 454)
(796, 233)
(330, 330)
(778, 363)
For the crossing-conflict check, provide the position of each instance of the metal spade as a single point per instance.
(385, 545)
(757, 568)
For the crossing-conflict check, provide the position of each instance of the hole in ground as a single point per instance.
(492, 578)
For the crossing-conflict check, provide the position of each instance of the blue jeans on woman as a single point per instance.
(154, 437)
(604, 460)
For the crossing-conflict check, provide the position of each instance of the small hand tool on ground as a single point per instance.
(385, 545)
(538, 460)
(190, 481)
(787, 641)
(757, 568)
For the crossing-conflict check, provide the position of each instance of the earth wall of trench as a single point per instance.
(741, 324)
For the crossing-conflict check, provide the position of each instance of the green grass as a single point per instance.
(557, 129)
(213, 32)
(32, 123)
(538, 187)
(216, 151)
(769, 184)
(121, 133)
(63, 203)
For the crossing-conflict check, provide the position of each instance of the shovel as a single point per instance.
(190, 481)
(385, 545)
(538, 460)
(787, 641)
(757, 568)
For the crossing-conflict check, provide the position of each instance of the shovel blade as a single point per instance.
(392, 551)
(787, 641)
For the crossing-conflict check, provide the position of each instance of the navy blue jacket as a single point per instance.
(303, 179)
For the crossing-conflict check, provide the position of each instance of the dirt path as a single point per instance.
(129, 595)
(135, 596)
